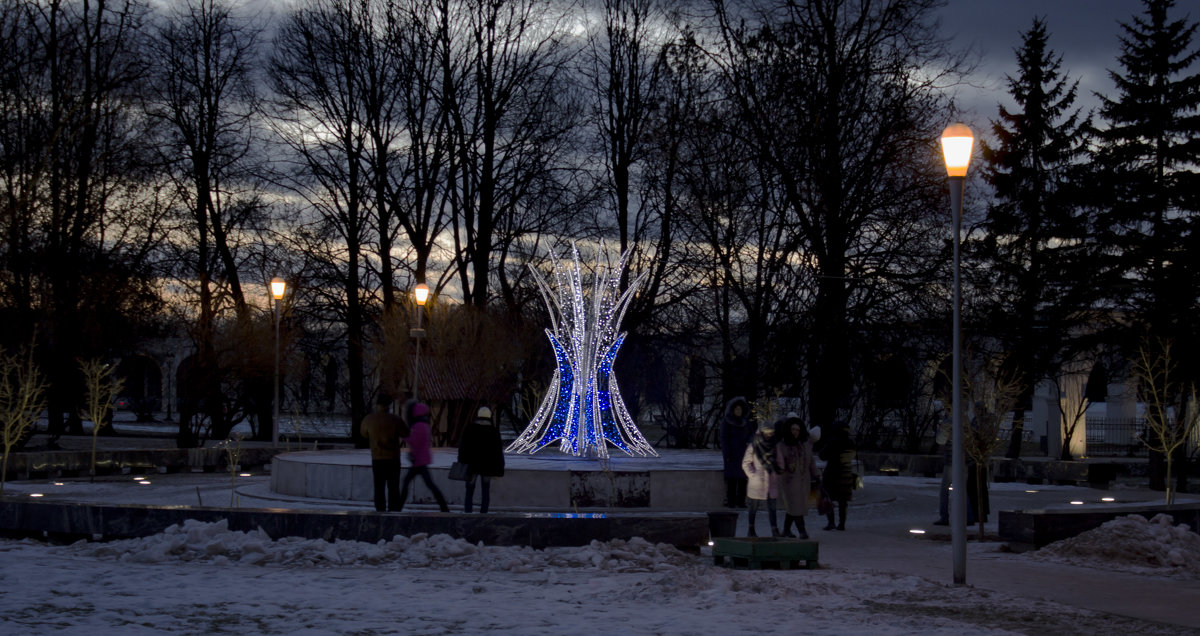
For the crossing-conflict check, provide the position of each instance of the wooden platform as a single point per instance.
(757, 553)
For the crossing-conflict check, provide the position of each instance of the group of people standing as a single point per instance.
(774, 461)
(481, 450)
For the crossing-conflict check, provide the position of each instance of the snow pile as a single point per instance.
(214, 542)
(1134, 544)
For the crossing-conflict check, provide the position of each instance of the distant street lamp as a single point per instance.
(956, 150)
(421, 293)
(278, 286)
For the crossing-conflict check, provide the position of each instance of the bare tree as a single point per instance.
(508, 112)
(318, 114)
(991, 394)
(1172, 409)
(22, 398)
(101, 389)
(1071, 385)
(840, 101)
(92, 222)
(202, 89)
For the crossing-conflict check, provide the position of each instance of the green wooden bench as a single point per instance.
(757, 553)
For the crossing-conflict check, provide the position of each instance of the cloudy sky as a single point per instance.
(1084, 32)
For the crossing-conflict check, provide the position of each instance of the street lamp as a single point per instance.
(421, 293)
(278, 286)
(956, 150)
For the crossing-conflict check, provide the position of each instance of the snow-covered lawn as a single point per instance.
(203, 578)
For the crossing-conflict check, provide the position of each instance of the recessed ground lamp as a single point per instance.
(1108, 499)
(1076, 503)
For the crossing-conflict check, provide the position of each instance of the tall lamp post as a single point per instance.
(956, 150)
(421, 293)
(278, 286)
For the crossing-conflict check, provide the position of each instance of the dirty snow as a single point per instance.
(1132, 544)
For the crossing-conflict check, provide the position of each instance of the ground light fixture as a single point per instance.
(957, 142)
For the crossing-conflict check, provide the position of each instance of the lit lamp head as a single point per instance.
(421, 292)
(956, 149)
(278, 286)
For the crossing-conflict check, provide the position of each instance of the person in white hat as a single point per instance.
(483, 453)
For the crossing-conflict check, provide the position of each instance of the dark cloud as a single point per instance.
(1085, 33)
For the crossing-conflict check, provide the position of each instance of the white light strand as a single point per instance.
(583, 409)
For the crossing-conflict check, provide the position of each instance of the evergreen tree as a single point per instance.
(1035, 239)
(1148, 158)
(1148, 155)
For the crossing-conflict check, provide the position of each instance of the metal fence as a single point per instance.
(1116, 437)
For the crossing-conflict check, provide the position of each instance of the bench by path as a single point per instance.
(27, 517)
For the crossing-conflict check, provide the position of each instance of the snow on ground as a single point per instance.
(203, 578)
(1132, 544)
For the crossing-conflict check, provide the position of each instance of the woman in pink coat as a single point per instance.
(420, 453)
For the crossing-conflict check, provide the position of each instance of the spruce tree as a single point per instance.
(1149, 153)
(1150, 148)
(1035, 231)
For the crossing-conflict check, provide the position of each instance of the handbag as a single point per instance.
(856, 474)
(824, 503)
(458, 471)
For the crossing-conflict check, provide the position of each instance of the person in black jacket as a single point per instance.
(839, 452)
(736, 431)
(483, 453)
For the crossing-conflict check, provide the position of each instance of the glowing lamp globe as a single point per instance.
(956, 149)
(421, 292)
(278, 286)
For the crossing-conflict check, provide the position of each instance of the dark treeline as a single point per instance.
(773, 165)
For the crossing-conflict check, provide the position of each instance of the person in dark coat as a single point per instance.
(736, 431)
(483, 453)
(839, 452)
(383, 431)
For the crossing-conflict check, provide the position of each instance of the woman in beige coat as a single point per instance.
(761, 470)
(798, 473)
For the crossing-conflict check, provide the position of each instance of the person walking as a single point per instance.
(483, 453)
(944, 437)
(735, 437)
(761, 470)
(798, 473)
(384, 431)
(420, 454)
(839, 452)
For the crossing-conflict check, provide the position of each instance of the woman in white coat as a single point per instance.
(762, 469)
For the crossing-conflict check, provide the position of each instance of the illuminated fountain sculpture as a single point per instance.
(583, 408)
